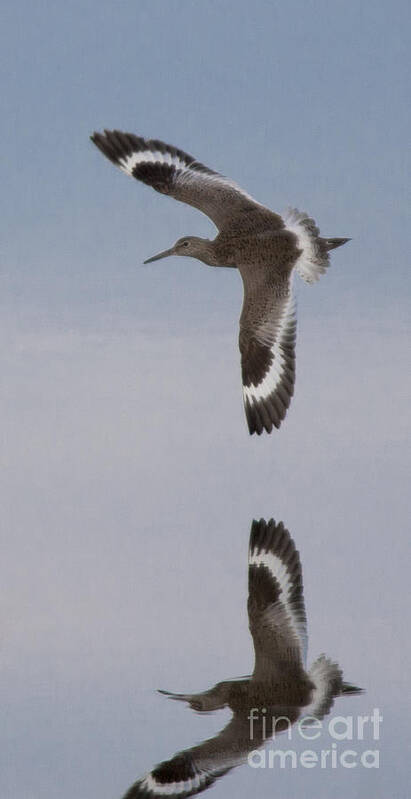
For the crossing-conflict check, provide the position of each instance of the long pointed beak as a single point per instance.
(163, 254)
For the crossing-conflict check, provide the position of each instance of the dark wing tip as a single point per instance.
(254, 421)
(107, 144)
(178, 777)
(274, 537)
(115, 144)
(258, 530)
(270, 411)
(137, 790)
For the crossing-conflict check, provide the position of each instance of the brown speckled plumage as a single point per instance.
(265, 247)
(279, 693)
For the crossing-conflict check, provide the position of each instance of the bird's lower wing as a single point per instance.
(194, 770)
(176, 173)
(276, 603)
(268, 329)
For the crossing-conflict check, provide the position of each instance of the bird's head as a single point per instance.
(192, 246)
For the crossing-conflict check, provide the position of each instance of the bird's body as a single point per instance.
(265, 247)
(279, 692)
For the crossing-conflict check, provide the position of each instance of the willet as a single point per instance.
(280, 691)
(265, 247)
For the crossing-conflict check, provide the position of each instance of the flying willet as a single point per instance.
(265, 247)
(280, 691)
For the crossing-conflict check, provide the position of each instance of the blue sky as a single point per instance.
(129, 478)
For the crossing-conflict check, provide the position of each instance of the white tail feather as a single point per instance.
(313, 261)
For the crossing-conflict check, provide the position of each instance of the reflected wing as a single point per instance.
(194, 770)
(275, 603)
(172, 171)
(267, 344)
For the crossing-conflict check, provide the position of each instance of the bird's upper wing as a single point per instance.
(172, 171)
(276, 603)
(268, 328)
(194, 770)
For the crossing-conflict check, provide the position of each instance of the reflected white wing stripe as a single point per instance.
(280, 572)
(171, 788)
(276, 567)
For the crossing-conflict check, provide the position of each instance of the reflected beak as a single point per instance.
(185, 697)
(163, 254)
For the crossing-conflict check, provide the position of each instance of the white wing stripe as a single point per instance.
(273, 377)
(271, 380)
(171, 788)
(279, 571)
(127, 163)
(276, 567)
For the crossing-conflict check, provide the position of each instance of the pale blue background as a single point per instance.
(129, 480)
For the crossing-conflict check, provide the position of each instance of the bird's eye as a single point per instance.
(185, 243)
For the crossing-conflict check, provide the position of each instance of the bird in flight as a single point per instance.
(265, 247)
(280, 691)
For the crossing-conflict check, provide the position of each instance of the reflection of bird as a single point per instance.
(265, 247)
(278, 693)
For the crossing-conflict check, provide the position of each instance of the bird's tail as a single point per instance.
(347, 688)
(331, 244)
(313, 260)
(326, 677)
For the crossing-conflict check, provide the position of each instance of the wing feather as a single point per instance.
(276, 608)
(171, 171)
(268, 328)
(194, 770)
